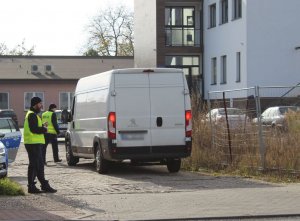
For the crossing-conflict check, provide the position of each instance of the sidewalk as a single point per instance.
(137, 193)
(33, 206)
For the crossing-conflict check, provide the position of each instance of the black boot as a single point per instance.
(47, 188)
(33, 189)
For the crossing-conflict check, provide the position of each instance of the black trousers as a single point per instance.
(51, 138)
(36, 164)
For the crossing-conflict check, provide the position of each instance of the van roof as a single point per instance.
(137, 70)
(91, 83)
(141, 70)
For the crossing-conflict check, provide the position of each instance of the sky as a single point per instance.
(53, 27)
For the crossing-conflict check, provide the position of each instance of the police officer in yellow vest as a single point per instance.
(51, 136)
(34, 140)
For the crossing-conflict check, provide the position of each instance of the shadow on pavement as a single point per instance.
(159, 175)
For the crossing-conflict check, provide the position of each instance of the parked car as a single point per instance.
(276, 116)
(3, 159)
(62, 123)
(236, 117)
(136, 114)
(10, 137)
(9, 113)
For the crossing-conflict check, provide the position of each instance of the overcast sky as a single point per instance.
(54, 27)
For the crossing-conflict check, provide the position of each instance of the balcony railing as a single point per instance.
(189, 37)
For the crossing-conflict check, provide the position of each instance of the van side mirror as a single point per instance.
(2, 135)
(70, 116)
(66, 116)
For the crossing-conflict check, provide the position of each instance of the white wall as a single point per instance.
(273, 33)
(145, 33)
(226, 39)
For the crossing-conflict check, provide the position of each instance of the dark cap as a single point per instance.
(51, 106)
(35, 100)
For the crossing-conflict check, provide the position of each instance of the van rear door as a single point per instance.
(132, 103)
(167, 108)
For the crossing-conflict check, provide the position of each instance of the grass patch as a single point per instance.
(10, 188)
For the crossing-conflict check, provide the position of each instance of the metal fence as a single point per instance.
(244, 135)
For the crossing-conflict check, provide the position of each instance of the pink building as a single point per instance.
(52, 78)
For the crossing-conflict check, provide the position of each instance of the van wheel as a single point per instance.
(71, 160)
(101, 163)
(173, 165)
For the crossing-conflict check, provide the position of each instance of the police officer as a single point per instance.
(34, 140)
(51, 135)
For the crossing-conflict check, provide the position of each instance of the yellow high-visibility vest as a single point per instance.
(29, 137)
(47, 117)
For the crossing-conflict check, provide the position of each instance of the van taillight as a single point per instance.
(111, 121)
(188, 123)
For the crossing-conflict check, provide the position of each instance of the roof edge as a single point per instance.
(66, 57)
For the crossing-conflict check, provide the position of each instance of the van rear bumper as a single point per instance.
(150, 153)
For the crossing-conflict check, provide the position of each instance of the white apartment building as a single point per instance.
(237, 43)
(251, 42)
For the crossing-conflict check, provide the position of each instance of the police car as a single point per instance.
(10, 138)
(3, 160)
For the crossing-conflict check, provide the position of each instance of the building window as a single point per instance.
(214, 71)
(172, 61)
(237, 9)
(4, 101)
(191, 66)
(224, 11)
(212, 16)
(29, 95)
(65, 100)
(238, 67)
(180, 26)
(224, 69)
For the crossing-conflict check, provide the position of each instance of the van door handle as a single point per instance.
(159, 121)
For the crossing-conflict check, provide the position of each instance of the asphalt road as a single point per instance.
(147, 192)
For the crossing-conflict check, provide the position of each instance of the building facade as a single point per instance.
(52, 78)
(242, 43)
(168, 34)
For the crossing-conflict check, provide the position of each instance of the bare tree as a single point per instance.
(91, 52)
(3, 48)
(111, 32)
(19, 50)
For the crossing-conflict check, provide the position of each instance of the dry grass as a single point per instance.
(282, 156)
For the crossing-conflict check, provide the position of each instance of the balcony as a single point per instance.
(182, 37)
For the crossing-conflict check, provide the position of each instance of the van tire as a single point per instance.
(100, 162)
(71, 160)
(173, 165)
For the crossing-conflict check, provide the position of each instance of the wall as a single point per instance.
(145, 33)
(273, 33)
(51, 89)
(226, 39)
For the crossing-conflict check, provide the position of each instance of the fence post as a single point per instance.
(210, 120)
(260, 132)
(228, 128)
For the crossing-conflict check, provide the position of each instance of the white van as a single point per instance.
(136, 114)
